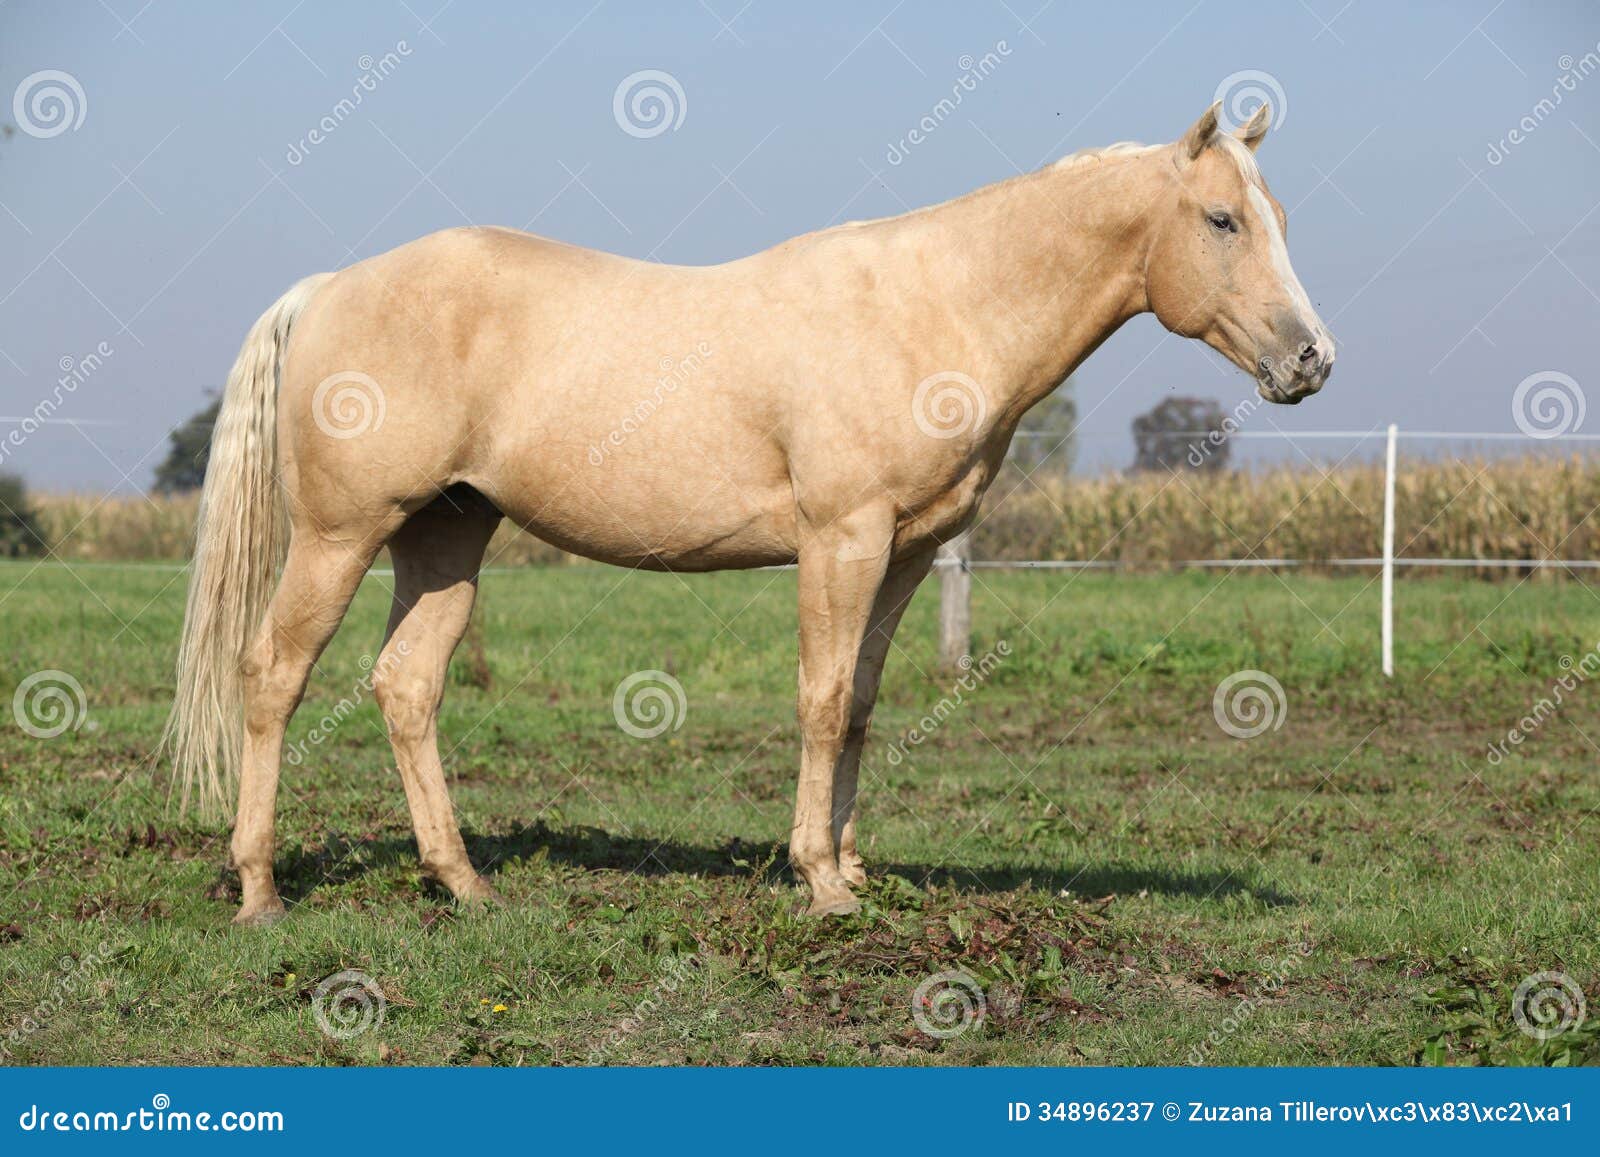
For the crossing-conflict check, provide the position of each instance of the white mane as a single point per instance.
(1231, 145)
(1120, 149)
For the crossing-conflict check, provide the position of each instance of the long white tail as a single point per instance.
(239, 544)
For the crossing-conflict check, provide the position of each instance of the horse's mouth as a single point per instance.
(1289, 384)
(1297, 390)
(1281, 396)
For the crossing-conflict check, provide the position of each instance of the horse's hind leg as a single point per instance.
(436, 558)
(320, 576)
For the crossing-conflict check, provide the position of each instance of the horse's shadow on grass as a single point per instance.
(302, 870)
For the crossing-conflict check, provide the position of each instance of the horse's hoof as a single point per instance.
(834, 906)
(260, 915)
(479, 895)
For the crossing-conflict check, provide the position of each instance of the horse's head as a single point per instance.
(1219, 268)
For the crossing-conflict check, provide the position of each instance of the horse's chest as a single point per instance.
(947, 511)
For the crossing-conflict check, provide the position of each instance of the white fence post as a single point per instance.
(955, 601)
(1388, 556)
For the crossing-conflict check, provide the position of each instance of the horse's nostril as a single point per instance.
(1308, 353)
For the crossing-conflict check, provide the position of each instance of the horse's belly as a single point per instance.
(665, 524)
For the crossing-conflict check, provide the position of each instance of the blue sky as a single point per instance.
(186, 199)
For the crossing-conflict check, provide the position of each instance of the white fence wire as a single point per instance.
(955, 622)
(955, 564)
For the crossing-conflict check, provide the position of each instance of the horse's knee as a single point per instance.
(408, 703)
(824, 713)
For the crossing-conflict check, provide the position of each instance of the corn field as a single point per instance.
(1517, 508)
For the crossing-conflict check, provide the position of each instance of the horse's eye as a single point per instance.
(1221, 222)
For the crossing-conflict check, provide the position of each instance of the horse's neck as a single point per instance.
(1041, 269)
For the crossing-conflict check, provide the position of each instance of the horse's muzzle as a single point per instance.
(1305, 375)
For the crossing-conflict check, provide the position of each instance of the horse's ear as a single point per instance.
(1199, 134)
(1254, 130)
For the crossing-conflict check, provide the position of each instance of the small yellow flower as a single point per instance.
(484, 1000)
(499, 1008)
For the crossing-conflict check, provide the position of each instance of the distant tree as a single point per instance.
(184, 467)
(1046, 442)
(20, 532)
(1181, 434)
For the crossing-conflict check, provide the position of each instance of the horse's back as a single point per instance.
(529, 368)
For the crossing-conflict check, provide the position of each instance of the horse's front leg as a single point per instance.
(893, 597)
(842, 568)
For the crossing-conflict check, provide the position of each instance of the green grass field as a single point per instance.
(1122, 881)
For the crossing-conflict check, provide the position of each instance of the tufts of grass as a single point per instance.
(1077, 865)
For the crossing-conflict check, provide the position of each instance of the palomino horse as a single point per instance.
(852, 394)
